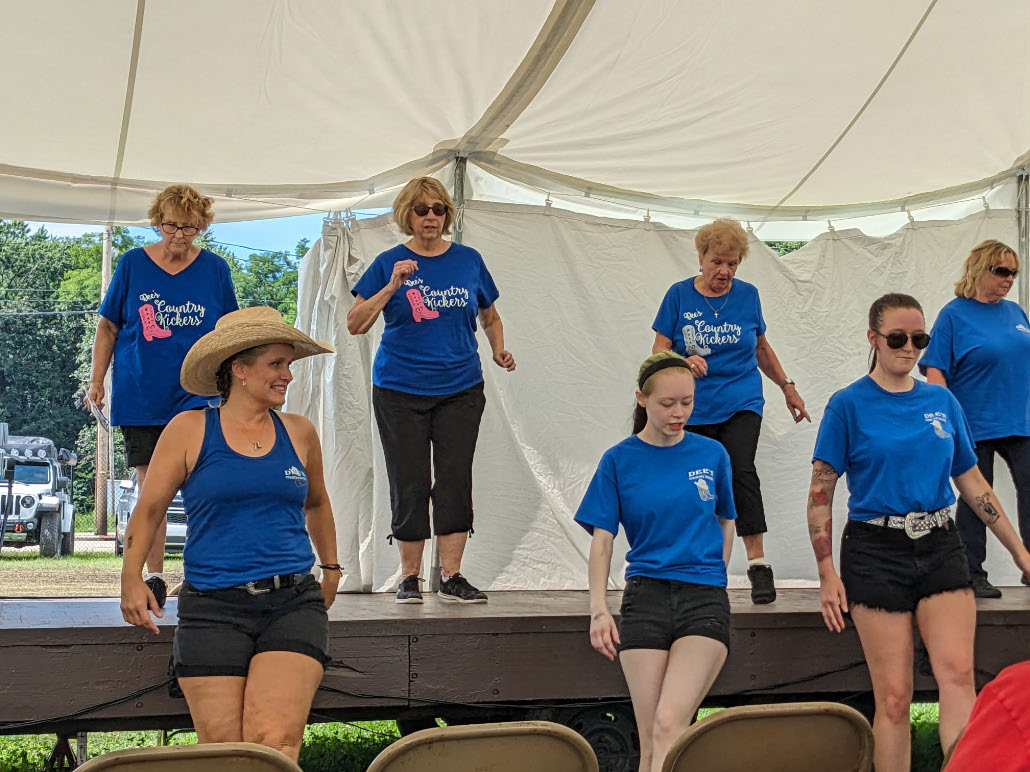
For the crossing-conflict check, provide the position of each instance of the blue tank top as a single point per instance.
(245, 516)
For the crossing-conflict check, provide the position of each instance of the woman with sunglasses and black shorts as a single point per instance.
(980, 350)
(901, 442)
(427, 390)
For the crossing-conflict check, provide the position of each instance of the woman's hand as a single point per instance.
(833, 601)
(698, 366)
(96, 393)
(330, 584)
(402, 269)
(1022, 560)
(604, 635)
(795, 404)
(138, 603)
(504, 359)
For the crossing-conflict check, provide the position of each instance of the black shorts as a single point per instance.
(882, 568)
(221, 630)
(140, 442)
(657, 612)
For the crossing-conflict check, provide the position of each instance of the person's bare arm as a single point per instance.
(981, 498)
(363, 314)
(936, 375)
(103, 350)
(728, 533)
(833, 601)
(770, 365)
(604, 635)
(493, 328)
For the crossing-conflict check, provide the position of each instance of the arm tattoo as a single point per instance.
(821, 536)
(991, 514)
(823, 473)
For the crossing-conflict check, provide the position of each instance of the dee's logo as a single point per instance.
(704, 481)
(297, 475)
(938, 421)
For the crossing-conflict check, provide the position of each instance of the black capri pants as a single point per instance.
(411, 426)
(739, 435)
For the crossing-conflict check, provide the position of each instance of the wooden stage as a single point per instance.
(521, 650)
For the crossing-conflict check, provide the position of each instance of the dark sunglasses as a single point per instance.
(423, 209)
(1002, 271)
(898, 339)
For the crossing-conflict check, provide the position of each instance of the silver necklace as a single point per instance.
(714, 309)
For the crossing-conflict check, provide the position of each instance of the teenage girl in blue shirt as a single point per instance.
(980, 350)
(901, 442)
(671, 491)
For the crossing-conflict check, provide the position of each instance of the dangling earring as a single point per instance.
(244, 384)
(699, 269)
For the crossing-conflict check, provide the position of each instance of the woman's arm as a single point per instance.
(661, 343)
(165, 476)
(363, 314)
(604, 635)
(318, 512)
(490, 321)
(833, 601)
(936, 375)
(981, 498)
(103, 349)
(770, 365)
(727, 540)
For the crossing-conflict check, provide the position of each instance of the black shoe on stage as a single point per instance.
(159, 588)
(458, 590)
(762, 588)
(409, 591)
(984, 589)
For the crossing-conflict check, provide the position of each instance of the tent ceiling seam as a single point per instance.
(130, 90)
(865, 105)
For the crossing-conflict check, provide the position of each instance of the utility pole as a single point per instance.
(102, 486)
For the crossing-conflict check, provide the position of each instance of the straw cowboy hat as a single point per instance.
(236, 332)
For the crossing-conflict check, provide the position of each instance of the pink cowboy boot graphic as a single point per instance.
(418, 308)
(151, 329)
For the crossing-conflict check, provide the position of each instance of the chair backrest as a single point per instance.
(790, 737)
(204, 757)
(517, 746)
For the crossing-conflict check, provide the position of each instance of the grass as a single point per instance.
(23, 573)
(86, 522)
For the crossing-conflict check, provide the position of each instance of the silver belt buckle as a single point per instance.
(249, 586)
(918, 524)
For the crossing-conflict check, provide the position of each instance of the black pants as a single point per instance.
(1016, 453)
(739, 435)
(412, 425)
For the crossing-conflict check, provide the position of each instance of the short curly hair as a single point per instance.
(722, 235)
(422, 187)
(191, 202)
(984, 255)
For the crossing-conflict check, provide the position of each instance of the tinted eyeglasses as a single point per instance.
(1002, 271)
(187, 230)
(423, 209)
(898, 339)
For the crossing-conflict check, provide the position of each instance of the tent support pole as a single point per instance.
(1023, 219)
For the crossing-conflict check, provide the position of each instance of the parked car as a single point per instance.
(127, 496)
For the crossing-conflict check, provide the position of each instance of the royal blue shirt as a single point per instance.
(159, 317)
(429, 343)
(898, 450)
(244, 516)
(727, 342)
(669, 500)
(983, 349)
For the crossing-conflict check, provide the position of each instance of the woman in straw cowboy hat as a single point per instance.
(253, 632)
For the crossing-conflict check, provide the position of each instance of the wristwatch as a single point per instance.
(788, 382)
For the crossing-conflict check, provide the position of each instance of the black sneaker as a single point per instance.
(762, 588)
(982, 588)
(409, 591)
(159, 588)
(458, 590)
(1024, 579)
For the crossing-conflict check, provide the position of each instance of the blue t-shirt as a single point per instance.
(429, 344)
(899, 451)
(983, 349)
(727, 342)
(669, 500)
(159, 317)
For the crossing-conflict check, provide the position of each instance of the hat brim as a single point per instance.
(200, 367)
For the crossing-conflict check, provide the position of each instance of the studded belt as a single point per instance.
(915, 524)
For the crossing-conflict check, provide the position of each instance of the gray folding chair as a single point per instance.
(205, 757)
(517, 746)
(791, 737)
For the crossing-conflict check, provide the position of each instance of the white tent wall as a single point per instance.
(578, 295)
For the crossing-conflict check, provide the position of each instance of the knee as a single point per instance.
(668, 726)
(276, 737)
(894, 705)
(955, 674)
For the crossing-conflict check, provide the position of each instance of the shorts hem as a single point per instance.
(749, 529)
(295, 647)
(207, 671)
(661, 647)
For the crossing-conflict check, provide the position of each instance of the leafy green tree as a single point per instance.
(782, 248)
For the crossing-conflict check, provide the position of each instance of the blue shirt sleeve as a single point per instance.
(965, 453)
(758, 312)
(229, 301)
(941, 351)
(373, 279)
(831, 443)
(486, 292)
(113, 306)
(725, 507)
(667, 319)
(600, 505)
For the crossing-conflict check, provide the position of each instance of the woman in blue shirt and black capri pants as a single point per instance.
(901, 442)
(980, 349)
(427, 390)
(671, 491)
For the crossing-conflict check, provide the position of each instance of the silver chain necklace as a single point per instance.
(714, 309)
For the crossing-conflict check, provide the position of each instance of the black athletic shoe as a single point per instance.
(409, 591)
(458, 590)
(159, 588)
(982, 588)
(762, 588)
(1024, 579)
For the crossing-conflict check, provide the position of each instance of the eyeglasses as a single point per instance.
(1002, 271)
(898, 339)
(423, 209)
(187, 230)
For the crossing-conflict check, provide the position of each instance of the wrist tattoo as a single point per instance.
(991, 513)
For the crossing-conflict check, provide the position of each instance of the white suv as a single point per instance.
(128, 495)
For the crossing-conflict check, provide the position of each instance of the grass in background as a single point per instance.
(23, 573)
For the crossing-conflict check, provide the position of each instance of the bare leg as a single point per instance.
(947, 622)
(754, 545)
(645, 671)
(451, 547)
(156, 556)
(887, 643)
(411, 556)
(216, 706)
(281, 686)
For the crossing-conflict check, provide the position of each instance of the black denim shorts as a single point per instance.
(220, 631)
(140, 442)
(657, 612)
(882, 568)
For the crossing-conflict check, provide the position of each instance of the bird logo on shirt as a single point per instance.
(703, 490)
(937, 420)
(298, 477)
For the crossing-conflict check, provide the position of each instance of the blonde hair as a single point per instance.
(421, 187)
(639, 413)
(196, 206)
(722, 235)
(984, 255)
